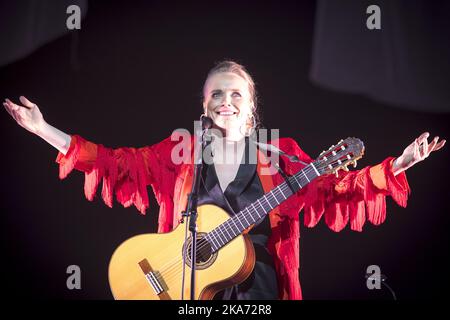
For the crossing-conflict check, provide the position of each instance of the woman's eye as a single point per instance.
(236, 94)
(216, 95)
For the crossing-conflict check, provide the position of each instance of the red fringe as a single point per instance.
(344, 199)
(130, 188)
(70, 158)
(341, 200)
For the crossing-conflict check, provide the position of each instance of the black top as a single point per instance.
(241, 192)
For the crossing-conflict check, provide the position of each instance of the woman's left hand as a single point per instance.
(416, 152)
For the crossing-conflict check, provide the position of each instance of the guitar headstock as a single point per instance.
(339, 156)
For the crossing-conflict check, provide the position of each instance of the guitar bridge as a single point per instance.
(152, 277)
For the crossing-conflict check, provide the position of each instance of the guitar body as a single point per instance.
(160, 257)
(150, 266)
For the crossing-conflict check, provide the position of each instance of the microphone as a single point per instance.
(207, 122)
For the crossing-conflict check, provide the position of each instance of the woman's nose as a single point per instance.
(226, 100)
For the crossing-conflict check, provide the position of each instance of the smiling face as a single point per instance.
(228, 102)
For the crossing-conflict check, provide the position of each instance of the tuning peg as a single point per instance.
(354, 164)
(345, 168)
(337, 173)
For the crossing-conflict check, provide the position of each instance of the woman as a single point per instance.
(230, 100)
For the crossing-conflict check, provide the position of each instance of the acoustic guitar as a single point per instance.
(150, 266)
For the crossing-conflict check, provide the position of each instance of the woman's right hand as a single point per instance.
(27, 115)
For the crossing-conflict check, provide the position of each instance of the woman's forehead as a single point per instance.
(225, 81)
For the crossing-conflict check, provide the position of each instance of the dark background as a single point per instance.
(132, 74)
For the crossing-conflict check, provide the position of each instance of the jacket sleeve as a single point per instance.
(353, 197)
(126, 172)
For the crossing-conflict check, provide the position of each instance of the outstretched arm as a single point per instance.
(417, 151)
(359, 195)
(29, 116)
(125, 172)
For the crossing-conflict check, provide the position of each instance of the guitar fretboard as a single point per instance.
(236, 225)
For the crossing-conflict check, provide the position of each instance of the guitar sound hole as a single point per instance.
(204, 257)
(203, 251)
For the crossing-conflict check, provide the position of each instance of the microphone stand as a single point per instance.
(191, 208)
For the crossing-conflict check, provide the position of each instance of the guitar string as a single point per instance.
(168, 270)
(177, 262)
(171, 271)
(238, 216)
(204, 248)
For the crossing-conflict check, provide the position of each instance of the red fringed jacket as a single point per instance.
(352, 197)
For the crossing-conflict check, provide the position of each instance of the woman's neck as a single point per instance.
(230, 135)
(227, 151)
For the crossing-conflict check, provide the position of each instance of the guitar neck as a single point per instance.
(245, 218)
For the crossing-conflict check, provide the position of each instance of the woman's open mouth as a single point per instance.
(226, 113)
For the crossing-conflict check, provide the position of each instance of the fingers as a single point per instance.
(8, 109)
(12, 106)
(15, 107)
(27, 103)
(424, 135)
(418, 144)
(433, 144)
(11, 112)
(424, 148)
(416, 152)
(439, 145)
(424, 142)
(16, 111)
